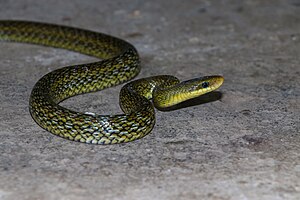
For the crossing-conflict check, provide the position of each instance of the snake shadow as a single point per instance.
(206, 98)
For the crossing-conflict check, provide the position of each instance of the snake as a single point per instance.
(118, 63)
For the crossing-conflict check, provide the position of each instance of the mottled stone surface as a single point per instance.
(244, 146)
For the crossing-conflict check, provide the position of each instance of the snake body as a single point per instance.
(120, 63)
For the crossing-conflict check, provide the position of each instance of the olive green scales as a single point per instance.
(120, 63)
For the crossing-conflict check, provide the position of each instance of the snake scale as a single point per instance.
(119, 63)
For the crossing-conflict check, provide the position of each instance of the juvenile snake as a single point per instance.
(120, 63)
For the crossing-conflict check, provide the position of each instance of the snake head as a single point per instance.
(183, 91)
(202, 85)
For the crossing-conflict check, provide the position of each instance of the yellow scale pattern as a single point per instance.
(120, 63)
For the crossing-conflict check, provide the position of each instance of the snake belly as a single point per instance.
(120, 63)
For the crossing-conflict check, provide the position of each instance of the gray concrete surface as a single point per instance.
(244, 146)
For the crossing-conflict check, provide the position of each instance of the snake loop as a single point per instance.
(121, 63)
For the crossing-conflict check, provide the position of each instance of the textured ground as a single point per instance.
(244, 146)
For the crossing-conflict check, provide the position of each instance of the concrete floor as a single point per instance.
(244, 146)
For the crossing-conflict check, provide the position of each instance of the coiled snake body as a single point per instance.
(120, 63)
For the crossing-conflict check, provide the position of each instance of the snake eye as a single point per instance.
(205, 84)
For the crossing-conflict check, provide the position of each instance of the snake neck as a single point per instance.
(137, 94)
